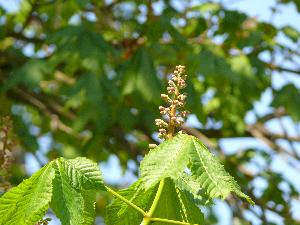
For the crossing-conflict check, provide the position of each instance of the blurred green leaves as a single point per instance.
(139, 76)
(288, 97)
(88, 74)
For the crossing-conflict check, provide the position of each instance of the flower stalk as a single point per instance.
(175, 101)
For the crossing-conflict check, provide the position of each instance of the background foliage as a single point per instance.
(87, 76)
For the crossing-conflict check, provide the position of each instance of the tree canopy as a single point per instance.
(88, 74)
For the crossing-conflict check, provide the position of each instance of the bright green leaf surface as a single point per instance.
(193, 189)
(210, 174)
(119, 213)
(89, 213)
(67, 202)
(83, 173)
(167, 160)
(28, 202)
(170, 159)
(175, 205)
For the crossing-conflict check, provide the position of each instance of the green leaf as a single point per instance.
(89, 213)
(175, 205)
(79, 47)
(28, 202)
(67, 202)
(291, 32)
(211, 175)
(168, 159)
(83, 173)
(72, 201)
(206, 7)
(193, 189)
(141, 76)
(29, 74)
(119, 213)
(288, 97)
(172, 157)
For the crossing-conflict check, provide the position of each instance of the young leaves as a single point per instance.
(173, 156)
(67, 185)
(29, 201)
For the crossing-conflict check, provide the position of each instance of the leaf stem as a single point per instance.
(147, 218)
(170, 221)
(126, 201)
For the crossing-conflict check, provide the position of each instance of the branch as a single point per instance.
(257, 132)
(20, 36)
(282, 69)
(276, 114)
(30, 99)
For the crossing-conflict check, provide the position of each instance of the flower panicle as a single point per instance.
(175, 101)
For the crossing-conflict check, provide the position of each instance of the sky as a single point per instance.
(261, 10)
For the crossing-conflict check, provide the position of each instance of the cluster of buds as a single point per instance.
(175, 101)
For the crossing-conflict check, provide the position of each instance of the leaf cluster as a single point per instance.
(176, 178)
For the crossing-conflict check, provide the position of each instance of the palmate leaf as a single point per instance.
(28, 202)
(173, 156)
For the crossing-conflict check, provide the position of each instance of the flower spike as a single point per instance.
(175, 100)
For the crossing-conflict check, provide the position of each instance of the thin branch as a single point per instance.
(282, 69)
(56, 123)
(256, 132)
(20, 36)
(288, 140)
(276, 114)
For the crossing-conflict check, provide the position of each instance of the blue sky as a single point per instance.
(256, 8)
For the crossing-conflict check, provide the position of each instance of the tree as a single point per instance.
(88, 74)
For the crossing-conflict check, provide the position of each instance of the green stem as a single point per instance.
(147, 218)
(126, 201)
(170, 221)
